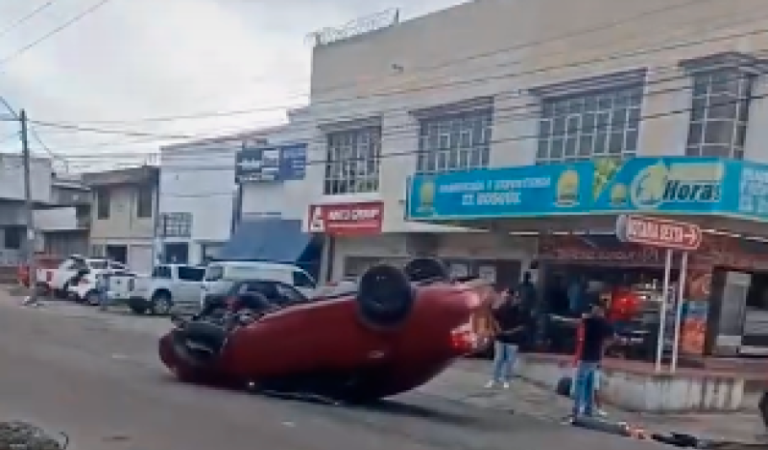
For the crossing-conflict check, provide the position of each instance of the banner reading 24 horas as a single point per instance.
(672, 185)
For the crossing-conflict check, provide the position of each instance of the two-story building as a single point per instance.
(63, 225)
(545, 82)
(123, 215)
(13, 220)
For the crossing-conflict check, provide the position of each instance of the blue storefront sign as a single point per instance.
(672, 185)
(271, 163)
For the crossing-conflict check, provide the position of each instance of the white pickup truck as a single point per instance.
(74, 269)
(170, 286)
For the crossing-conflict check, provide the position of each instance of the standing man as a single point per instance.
(597, 335)
(102, 287)
(512, 320)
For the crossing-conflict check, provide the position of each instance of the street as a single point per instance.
(102, 385)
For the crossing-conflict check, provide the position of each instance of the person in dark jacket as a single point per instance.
(512, 324)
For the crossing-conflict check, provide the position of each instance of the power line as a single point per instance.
(483, 79)
(53, 32)
(24, 19)
(518, 138)
(431, 68)
(515, 113)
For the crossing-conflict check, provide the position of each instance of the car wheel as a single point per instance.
(385, 296)
(64, 292)
(161, 304)
(424, 269)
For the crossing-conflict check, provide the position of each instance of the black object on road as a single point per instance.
(564, 386)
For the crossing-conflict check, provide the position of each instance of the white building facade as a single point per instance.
(197, 192)
(500, 83)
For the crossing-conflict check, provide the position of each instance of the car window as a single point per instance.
(98, 264)
(288, 294)
(191, 273)
(302, 280)
(265, 288)
(214, 273)
(162, 272)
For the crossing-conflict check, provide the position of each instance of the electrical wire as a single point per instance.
(485, 79)
(406, 130)
(24, 19)
(76, 128)
(518, 138)
(77, 18)
(445, 64)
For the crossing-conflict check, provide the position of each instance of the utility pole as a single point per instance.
(28, 207)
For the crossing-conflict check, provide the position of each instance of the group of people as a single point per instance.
(509, 318)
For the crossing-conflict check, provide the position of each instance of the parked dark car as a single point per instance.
(275, 292)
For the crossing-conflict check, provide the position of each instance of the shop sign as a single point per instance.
(264, 163)
(346, 218)
(668, 185)
(659, 233)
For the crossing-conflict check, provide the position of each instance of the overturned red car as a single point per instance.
(395, 331)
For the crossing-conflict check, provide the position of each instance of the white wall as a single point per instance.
(123, 223)
(503, 49)
(200, 179)
(12, 178)
(286, 199)
(56, 219)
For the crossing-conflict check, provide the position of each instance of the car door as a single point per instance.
(190, 280)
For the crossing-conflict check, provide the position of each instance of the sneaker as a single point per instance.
(490, 384)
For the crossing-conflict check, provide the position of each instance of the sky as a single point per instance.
(130, 60)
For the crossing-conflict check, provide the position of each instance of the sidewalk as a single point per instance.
(465, 381)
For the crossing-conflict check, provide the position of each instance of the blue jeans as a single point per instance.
(504, 356)
(584, 388)
(103, 298)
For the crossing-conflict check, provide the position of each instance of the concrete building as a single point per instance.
(13, 221)
(63, 226)
(123, 215)
(273, 198)
(201, 202)
(502, 83)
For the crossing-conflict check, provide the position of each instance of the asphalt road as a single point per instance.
(103, 386)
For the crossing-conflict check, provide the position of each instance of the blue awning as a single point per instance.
(273, 240)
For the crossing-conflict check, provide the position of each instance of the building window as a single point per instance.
(102, 204)
(144, 202)
(604, 123)
(353, 161)
(719, 113)
(460, 141)
(13, 237)
(178, 225)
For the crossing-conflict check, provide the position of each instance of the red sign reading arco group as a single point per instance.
(661, 233)
(346, 219)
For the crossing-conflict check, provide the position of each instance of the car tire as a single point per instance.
(427, 269)
(161, 304)
(763, 407)
(385, 296)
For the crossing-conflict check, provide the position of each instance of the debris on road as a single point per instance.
(680, 440)
(18, 435)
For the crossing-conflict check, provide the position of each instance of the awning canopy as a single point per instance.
(273, 240)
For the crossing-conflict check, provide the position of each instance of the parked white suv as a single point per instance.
(170, 286)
